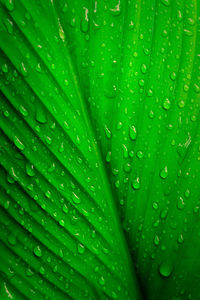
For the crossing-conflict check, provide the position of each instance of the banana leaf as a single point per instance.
(99, 149)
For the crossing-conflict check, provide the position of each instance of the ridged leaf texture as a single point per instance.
(99, 149)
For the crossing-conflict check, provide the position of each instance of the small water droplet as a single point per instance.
(108, 156)
(166, 2)
(132, 133)
(23, 69)
(9, 5)
(65, 208)
(81, 248)
(107, 132)
(173, 76)
(102, 281)
(5, 68)
(140, 154)
(166, 104)
(164, 172)
(18, 143)
(116, 10)
(156, 240)
(180, 203)
(143, 68)
(12, 240)
(9, 25)
(136, 183)
(30, 169)
(75, 198)
(62, 223)
(38, 251)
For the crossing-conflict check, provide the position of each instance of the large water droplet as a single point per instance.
(165, 269)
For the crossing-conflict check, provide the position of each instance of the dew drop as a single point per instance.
(143, 68)
(65, 208)
(166, 104)
(4, 68)
(81, 248)
(62, 223)
(180, 203)
(30, 169)
(156, 240)
(23, 111)
(38, 251)
(165, 269)
(9, 5)
(136, 183)
(173, 76)
(12, 240)
(108, 132)
(18, 143)
(9, 25)
(75, 198)
(164, 172)
(23, 70)
(132, 133)
(102, 281)
(166, 2)
(108, 156)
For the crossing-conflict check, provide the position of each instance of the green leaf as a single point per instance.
(99, 149)
(60, 231)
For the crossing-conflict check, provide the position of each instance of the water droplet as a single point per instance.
(132, 133)
(5, 68)
(136, 183)
(23, 111)
(48, 140)
(116, 10)
(180, 203)
(140, 154)
(23, 69)
(107, 132)
(9, 5)
(164, 172)
(196, 88)
(166, 2)
(143, 68)
(38, 251)
(38, 68)
(165, 269)
(173, 76)
(81, 248)
(181, 103)
(12, 240)
(65, 208)
(108, 156)
(9, 25)
(180, 239)
(62, 223)
(166, 104)
(156, 240)
(30, 169)
(29, 272)
(48, 194)
(42, 270)
(85, 21)
(102, 281)
(61, 148)
(75, 198)
(18, 143)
